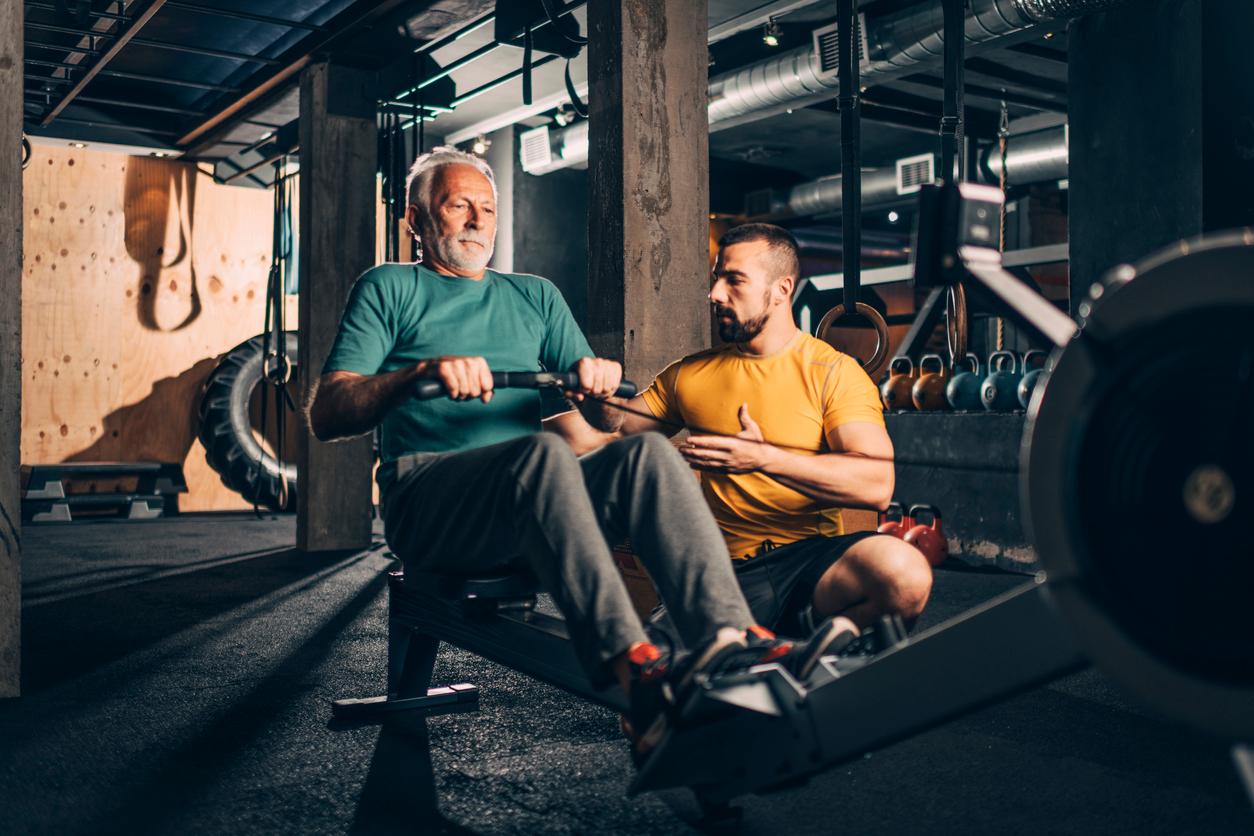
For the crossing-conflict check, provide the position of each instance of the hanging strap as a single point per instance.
(276, 366)
(850, 165)
(1003, 134)
(575, 102)
(526, 78)
(555, 21)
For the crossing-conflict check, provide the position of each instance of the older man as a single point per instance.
(785, 431)
(470, 485)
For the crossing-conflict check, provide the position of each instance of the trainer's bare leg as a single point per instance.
(876, 576)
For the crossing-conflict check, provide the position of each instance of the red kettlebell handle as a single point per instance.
(927, 509)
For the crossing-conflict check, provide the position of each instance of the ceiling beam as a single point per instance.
(256, 18)
(216, 124)
(1042, 52)
(982, 92)
(123, 38)
(1031, 81)
(52, 7)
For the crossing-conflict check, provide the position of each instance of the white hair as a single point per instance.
(422, 174)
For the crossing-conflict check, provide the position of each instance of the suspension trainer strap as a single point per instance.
(1003, 134)
(850, 164)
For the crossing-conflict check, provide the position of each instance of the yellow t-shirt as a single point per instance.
(798, 396)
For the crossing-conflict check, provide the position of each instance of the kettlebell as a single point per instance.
(928, 538)
(1032, 376)
(963, 389)
(1000, 392)
(928, 392)
(894, 527)
(895, 392)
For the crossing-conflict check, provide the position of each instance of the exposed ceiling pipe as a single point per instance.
(879, 188)
(818, 243)
(1030, 158)
(894, 43)
(1035, 157)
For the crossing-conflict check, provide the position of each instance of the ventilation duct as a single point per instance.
(827, 48)
(894, 44)
(913, 173)
(1030, 158)
(1034, 157)
(541, 150)
(879, 188)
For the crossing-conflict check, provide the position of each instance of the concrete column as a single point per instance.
(338, 149)
(10, 347)
(1159, 149)
(648, 182)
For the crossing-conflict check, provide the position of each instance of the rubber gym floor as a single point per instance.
(178, 674)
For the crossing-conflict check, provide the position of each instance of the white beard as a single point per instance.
(452, 252)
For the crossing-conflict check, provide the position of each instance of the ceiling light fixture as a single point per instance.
(893, 217)
(481, 145)
(159, 154)
(771, 33)
(78, 144)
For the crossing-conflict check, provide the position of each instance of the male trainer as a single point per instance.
(785, 431)
(470, 485)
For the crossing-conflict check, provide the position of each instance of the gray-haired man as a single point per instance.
(469, 484)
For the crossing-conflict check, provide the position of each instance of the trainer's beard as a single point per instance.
(454, 253)
(735, 331)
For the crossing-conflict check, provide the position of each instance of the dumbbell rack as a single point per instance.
(46, 498)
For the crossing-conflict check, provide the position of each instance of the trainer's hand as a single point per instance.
(463, 377)
(744, 452)
(597, 377)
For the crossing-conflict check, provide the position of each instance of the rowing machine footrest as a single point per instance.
(442, 700)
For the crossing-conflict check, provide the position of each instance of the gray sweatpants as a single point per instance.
(531, 502)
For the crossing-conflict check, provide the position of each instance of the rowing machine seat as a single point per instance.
(504, 584)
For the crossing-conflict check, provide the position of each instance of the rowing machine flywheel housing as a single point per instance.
(1138, 481)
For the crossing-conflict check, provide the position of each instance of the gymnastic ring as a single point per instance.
(26, 151)
(871, 315)
(956, 323)
(268, 370)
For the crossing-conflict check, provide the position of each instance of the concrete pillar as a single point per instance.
(648, 182)
(338, 150)
(10, 347)
(1159, 149)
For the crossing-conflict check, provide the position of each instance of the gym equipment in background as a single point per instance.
(226, 430)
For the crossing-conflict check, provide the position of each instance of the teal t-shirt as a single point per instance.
(398, 314)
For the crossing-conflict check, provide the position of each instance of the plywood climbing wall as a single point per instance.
(138, 273)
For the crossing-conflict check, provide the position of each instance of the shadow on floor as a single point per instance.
(399, 796)
(177, 776)
(71, 637)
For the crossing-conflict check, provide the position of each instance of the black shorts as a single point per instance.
(779, 584)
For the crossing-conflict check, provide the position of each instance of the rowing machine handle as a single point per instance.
(425, 390)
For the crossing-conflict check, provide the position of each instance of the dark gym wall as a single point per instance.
(551, 231)
(10, 345)
(1161, 129)
(501, 157)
